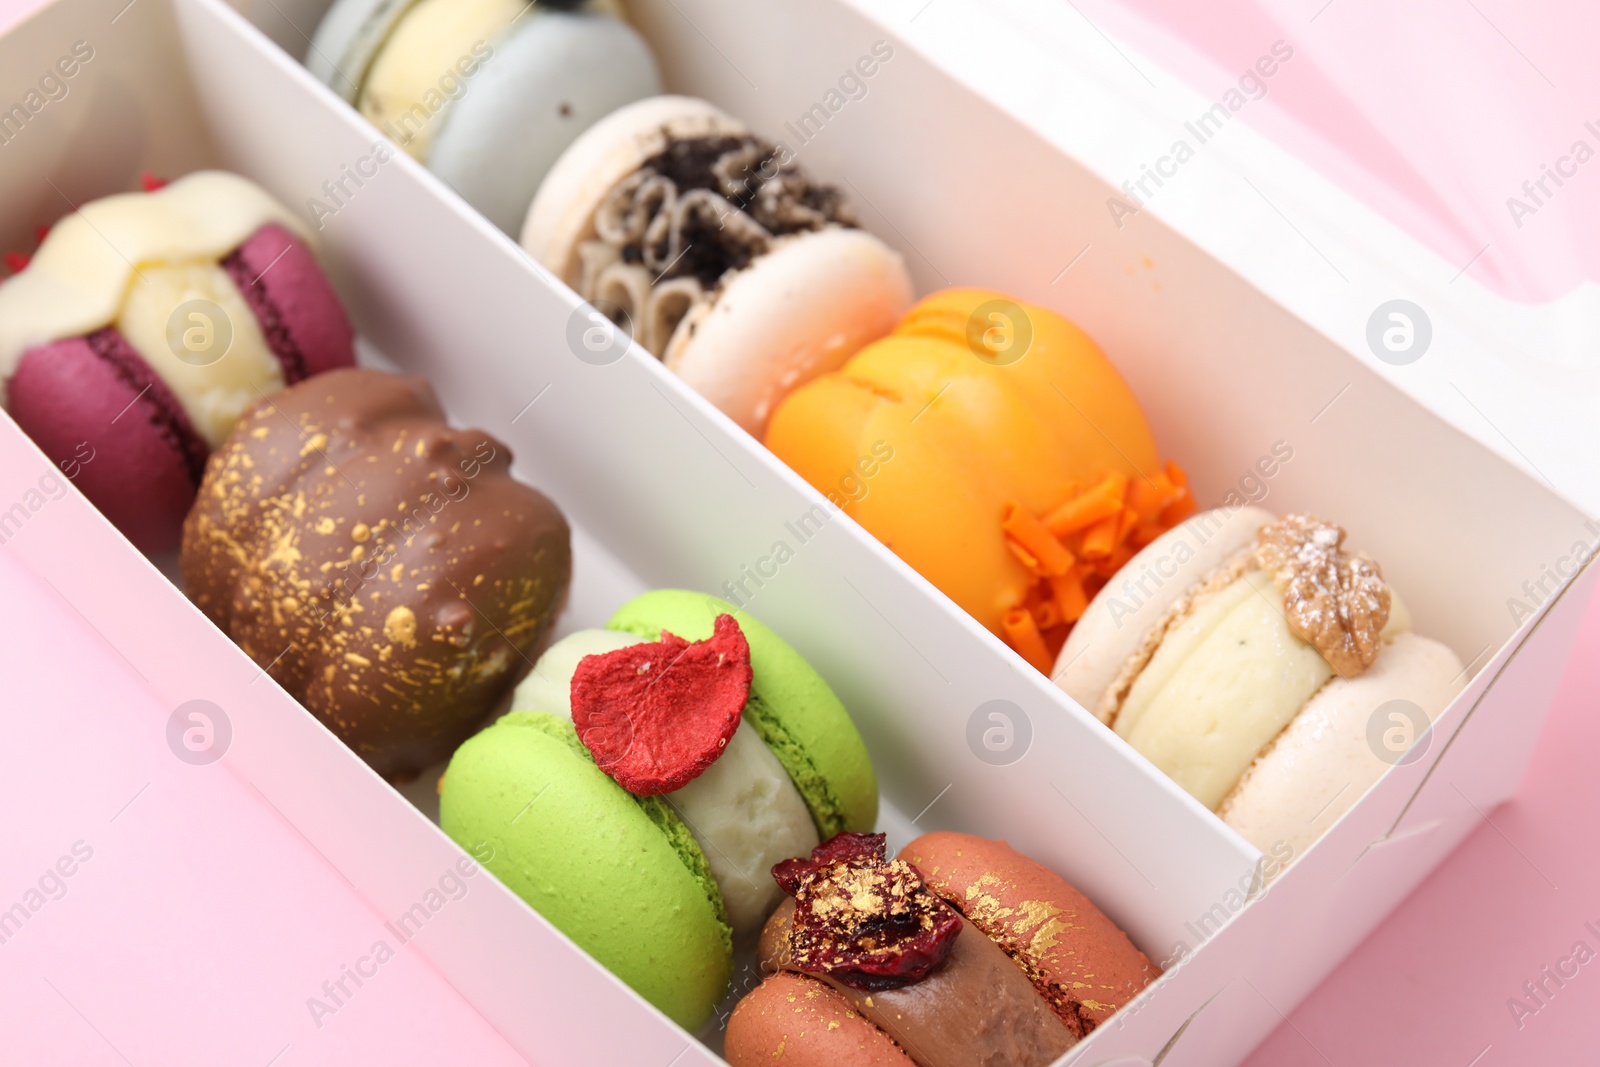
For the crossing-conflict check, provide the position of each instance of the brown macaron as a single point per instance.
(796, 1019)
(384, 568)
(1078, 959)
(1045, 969)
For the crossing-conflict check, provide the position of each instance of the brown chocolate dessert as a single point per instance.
(384, 568)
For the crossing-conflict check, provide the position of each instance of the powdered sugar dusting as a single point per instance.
(1333, 600)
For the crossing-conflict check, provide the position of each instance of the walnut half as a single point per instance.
(1332, 600)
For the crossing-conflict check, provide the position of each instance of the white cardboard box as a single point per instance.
(663, 490)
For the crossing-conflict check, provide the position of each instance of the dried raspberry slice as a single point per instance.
(656, 715)
(863, 920)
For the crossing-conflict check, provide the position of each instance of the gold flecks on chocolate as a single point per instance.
(1332, 600)
(338, 619)
(401, 626)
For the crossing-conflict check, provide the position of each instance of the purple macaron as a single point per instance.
(98, 391)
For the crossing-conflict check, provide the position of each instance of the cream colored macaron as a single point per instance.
(1246, 657)
(715, 252)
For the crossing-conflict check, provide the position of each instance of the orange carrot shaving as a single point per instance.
(1070, 598)
(1150, 496)
(1074, 551)
(1143, 535)
(1113, 563)
(1101, 538)
(1034, 545)
(1130, 519)
(1089, 507)
(1022, 634)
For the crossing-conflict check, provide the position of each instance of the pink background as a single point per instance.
(1434, 112)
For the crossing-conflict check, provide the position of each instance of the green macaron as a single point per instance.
(625, 877)
(790, 707)
(620, 875)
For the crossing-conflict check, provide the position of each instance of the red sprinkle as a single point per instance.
(863, 920)
(150, 182)
(16, 262)
(656, 715)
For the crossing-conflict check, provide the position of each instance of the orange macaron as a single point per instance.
(1010, 463)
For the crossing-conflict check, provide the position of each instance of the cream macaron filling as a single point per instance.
(1226, 679)
(132, 261)
(744, 810)
(1237, 656)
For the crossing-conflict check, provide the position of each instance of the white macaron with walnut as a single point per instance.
(1246, 656)
(715, 253)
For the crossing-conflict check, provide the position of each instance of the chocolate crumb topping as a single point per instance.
(669, 233)
(863, 920)
(1332, 600)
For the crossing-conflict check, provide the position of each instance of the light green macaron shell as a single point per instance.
(791, 708)
(620, 875)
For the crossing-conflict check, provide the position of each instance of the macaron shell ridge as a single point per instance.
(1112, 629)
(141, 470)
(1034, 913)
(294, 302)
(791, 707)
(800, 310)
(551, 77)
(799, 1021)
(1323, 761)
(348, 39)
(592, 860)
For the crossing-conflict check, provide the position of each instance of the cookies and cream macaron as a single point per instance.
(676, 755)
(715, 252)
(484, 93)
(1245, 656)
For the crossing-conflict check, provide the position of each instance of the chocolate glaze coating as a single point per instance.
(384, 568)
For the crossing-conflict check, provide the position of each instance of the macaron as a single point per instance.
(994, 447)
(651, 718)
(384, 568)
(485, 93)
(715, 252)
(1249, 658)
(146, 322)
(621, 875)
(960, 951)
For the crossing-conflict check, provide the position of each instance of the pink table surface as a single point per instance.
(1408, 106)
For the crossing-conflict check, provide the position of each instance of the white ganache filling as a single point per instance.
(131, 261)
(743, 810)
